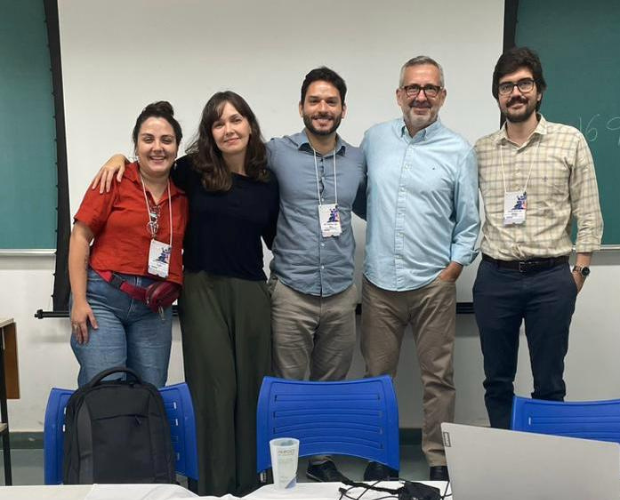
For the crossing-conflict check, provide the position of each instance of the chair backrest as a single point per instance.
(357, 418)
(599, 420)
(180, 412)
(53, 434)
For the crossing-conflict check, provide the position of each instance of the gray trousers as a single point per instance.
(226, 325)
(312, 333)
(431, 312)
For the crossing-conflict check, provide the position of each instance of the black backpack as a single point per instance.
(117, 432)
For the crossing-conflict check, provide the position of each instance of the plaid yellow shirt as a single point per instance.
(554, 166)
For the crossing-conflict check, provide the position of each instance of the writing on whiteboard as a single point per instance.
(592, 127)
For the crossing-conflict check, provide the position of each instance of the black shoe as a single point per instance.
(439, 473)
(325, 472)
(376, 471)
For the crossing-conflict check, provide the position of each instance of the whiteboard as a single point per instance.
(119, 55)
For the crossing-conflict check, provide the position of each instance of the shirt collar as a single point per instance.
(425, 133)
(132, 173)
(303, 144)
(541, 129)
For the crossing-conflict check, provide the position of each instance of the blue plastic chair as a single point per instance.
(598, 420)
(180, 412)
(53, 434)
(357, 418)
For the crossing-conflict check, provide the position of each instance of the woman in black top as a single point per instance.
(225, 306)
(225, 309)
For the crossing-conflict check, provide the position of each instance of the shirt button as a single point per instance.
(322, 267)
(322, 244)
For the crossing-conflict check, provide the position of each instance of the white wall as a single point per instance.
(119, 55)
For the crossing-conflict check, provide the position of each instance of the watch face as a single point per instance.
(585, 271)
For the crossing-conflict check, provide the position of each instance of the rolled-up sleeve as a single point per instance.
(585, 200)
(467, 211)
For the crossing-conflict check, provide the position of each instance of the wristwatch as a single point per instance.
(583, 270)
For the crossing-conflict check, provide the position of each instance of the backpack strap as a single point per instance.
(119, 369)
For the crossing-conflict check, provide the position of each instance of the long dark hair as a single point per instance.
(206, 156)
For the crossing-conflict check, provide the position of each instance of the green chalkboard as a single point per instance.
(579, 46)
(28, 190)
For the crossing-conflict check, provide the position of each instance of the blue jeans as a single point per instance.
(129, 333)
(545, 301)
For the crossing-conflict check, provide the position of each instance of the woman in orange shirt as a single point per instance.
(124, 284)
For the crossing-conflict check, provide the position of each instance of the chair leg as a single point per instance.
(6, 449)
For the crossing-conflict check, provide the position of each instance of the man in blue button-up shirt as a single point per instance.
(313, 295)
(423, 221)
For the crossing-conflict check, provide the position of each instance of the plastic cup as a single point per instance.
(284, 458)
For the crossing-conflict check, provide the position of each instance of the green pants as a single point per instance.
(226, 325)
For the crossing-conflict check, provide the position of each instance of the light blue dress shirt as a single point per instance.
(422, 204)
(303, 259)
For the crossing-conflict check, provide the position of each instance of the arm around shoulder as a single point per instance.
(103, 179)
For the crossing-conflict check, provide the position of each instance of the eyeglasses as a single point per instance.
(153, 223)
(524, 85)
(414, 89)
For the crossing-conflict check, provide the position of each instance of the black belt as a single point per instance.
(528, 266)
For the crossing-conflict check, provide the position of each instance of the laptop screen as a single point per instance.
(495, 464)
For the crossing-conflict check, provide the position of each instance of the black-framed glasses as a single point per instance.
(414, 89)
(524, 85)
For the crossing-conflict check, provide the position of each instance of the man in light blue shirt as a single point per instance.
(313, 297)
(423, 222)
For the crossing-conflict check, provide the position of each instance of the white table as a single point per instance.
(326, 491)
(96, 492)
(303, 491)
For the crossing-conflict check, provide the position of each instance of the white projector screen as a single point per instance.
(119, 55)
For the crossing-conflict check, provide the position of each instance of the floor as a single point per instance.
(28, 466)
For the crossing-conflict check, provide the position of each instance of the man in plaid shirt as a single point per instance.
(534, 176)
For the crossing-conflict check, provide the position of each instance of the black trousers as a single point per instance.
(503, 299)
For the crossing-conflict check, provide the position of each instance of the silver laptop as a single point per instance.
(494, 464)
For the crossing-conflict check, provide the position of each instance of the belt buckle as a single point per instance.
(524, 266)
(116, 281)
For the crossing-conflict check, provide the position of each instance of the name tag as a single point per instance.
(329, 218)
(159, 258)
(515, 205)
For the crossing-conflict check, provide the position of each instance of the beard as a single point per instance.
(420, 121)
(322, 132)
(524, 114)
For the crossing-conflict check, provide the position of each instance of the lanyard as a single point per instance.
(529, 174)
(148, 210)
(318, 187)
